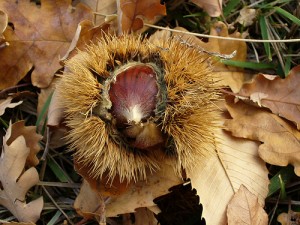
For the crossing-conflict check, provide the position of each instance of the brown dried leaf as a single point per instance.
(281, 145)
(36, 43)
(281, 96)
(123, 197)
(3, 22)
(15, 183)
(213, 8)
(103, 9)
(6, 103)
(31, 138)
(244, 209)
(290, 218)
(130, 13)
(247, 16)
(218, 178)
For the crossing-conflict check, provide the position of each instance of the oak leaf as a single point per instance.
(281, 96)
(213, 8)
(131, 12)
(245, 209)
(15, 182)
(37, 38)
(280, 140)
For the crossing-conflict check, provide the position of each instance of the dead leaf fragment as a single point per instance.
(247, 16)
(280, 140)
(15, 183)
(31, 138)
(290, 218)
(213, 8)
(6, 103)
(245, 209)
(131, 12)
(131, 197)
(281, 96)
(36, 43)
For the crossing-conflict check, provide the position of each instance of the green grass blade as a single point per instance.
(54, 218)
(248, 65)
(44, 110)
(287, 15)
(265, 36)
(286, 174)
(232, 4)
(58, 171)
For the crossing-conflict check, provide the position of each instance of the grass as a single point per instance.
(276, 20)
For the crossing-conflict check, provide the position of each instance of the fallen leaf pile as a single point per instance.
(259, 122)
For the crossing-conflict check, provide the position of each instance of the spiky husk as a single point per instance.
(187, 116)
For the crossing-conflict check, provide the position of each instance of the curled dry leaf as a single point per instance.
(15, 182)
(281, 96)
(131, 12)
(213, 8)
(3, 25)
(32, 43)
(244, 209)
(6, 103)
(280, 140)
(290, 218)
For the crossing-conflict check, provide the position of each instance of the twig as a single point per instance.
(223, 38)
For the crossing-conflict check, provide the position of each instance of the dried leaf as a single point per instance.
(247, 16)
(280, 139)
(229, 76)
(6, 103)
(31, 138)
(131, 196)
(290, 218)
(281, 96)
(245, 209)
(3, 21)
(32, 43)
(131, 11)
(102, 9)
(15, 183)
(218, 177)
(213, 8)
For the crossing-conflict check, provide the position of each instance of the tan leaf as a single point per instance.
(102, 9)
(15, 183)
(3, 21)
(36, 43)
(247, 16)
(31, 138)
(6, 103)
(131, 196)
(281, 96)
(280, 139)
(218, 177)
(290, 218)
(86, 33)
(229, 76)
(245, 209)
(213, 8)
(131, 12)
